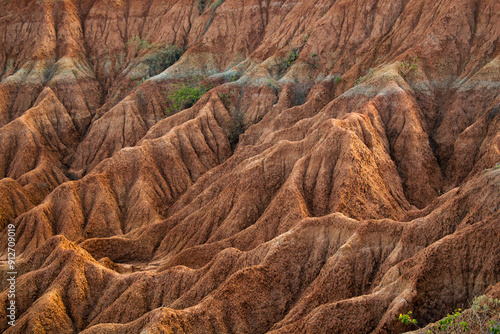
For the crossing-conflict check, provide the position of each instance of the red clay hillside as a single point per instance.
(248, 166)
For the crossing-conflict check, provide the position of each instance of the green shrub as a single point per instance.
(407, 319)
(481, 318)
(494, 327)
(451, 323)
(163, 58)
(140, 43)
(288, 61)
(285, 63)
(185, 96)
(142, 80)
(485, 309)
(201, 5)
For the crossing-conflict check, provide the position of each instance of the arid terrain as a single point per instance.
(248, 166)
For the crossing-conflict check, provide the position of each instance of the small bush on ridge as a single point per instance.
(185, 96)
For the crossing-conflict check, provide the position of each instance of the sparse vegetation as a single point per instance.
(484, 310)
(365, 77)
(236, 127)
(142, 80)
(226, 98)
(483, 317)
(305, 37)
(450, 323)
(223, 97)
(272, 84)
(201, 5)
(407, 319)
(314, 59)
(285, 63)
(140, 43)
(338, 79)
(163, 58)
(216, 4)
(185, 96)
(406, 66)
(213, 7)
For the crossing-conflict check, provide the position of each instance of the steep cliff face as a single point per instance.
(339, 169)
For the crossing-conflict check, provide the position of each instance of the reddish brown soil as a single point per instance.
(345, 202)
